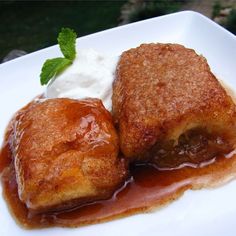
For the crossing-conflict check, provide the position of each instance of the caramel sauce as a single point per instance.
(147, 188)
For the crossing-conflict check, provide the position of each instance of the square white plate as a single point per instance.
(204, 212)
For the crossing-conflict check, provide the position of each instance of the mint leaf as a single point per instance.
(66, 40)
(52, 67)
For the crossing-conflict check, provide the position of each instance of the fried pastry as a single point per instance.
(170, 108)
(65, 154)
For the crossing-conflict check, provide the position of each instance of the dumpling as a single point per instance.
(65, 154)
(169, 107)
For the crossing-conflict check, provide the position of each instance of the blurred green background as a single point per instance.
(32, 25)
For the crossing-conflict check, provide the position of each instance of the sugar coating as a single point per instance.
(160, 91)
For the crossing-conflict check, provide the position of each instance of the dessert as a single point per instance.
(62, 163)
(169, 107)
(65, 153)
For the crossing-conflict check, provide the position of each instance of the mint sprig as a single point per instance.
(52, 67)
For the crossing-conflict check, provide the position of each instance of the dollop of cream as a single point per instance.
(90, 75)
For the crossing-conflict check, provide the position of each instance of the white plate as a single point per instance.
(204, 212)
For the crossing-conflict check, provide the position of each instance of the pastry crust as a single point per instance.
(162, 91)
(65, 154)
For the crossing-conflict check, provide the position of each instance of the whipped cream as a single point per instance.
(90, 75)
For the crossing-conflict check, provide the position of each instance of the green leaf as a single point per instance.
(66, 40)
(52, 67)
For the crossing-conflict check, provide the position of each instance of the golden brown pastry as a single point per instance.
(65, 154)
(170, 108)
